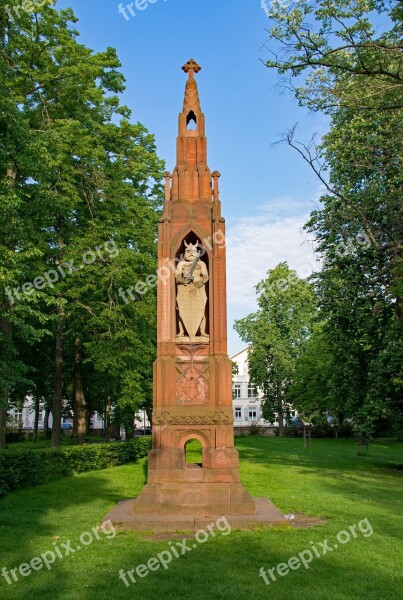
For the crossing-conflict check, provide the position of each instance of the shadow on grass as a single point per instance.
(322, 452)
(332, 471)
(61, 509)
(223, 568)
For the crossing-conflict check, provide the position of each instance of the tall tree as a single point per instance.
(89, 192)
(353, 73)
(336, 45)
(278, 332)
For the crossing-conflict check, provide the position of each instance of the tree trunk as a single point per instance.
(149, 413)
(75, 415)
(107, 418)
(46, 420)
(280, 411)
(115, 430)
(129, 429)
(36, 421)
(79, 400)
(6, 329)
(58, 391)
(3, 420)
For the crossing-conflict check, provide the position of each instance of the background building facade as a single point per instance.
(246, 399)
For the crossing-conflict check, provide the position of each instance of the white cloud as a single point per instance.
(259, 242)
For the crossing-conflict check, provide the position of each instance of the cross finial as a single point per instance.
(191, 67)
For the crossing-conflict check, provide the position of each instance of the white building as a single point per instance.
(246, 399)
(25, 419)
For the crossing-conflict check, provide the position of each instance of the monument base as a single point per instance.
(124, 518)
(194, 498)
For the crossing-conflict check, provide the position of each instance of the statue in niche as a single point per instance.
(191, 277)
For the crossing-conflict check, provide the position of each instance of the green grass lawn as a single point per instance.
(327, 480)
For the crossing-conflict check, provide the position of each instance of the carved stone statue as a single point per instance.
(191, 278)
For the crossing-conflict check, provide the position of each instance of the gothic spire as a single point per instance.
(191, 101)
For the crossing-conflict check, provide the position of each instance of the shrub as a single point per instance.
(345, 430)
(24, 468)
(254, 429)
(323, 430)
(13, 437)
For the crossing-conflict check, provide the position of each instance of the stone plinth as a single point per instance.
(193, 497)
(123, 518)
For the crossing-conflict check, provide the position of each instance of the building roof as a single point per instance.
(240, 352)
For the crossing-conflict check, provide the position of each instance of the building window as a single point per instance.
(252, 414)
(252, 392)
(238, 413)
(18, 417)
(293, 413)
(236, 390)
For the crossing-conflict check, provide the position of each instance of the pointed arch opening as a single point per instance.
(191, 121)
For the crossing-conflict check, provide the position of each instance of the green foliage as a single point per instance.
(254, 429)
(14, 437)
(350, 55)
(336, 44)
(76, 175)
(323, 430)
(325, 383)
(31, 467)
(278, 333)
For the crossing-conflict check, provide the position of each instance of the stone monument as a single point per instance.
(192, 372)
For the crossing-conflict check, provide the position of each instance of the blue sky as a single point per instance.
(267, 193)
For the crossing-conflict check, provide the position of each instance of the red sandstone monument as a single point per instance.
(192, 372)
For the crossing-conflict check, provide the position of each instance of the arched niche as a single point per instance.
(193, 238)
(201, 437)
(193, 452)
